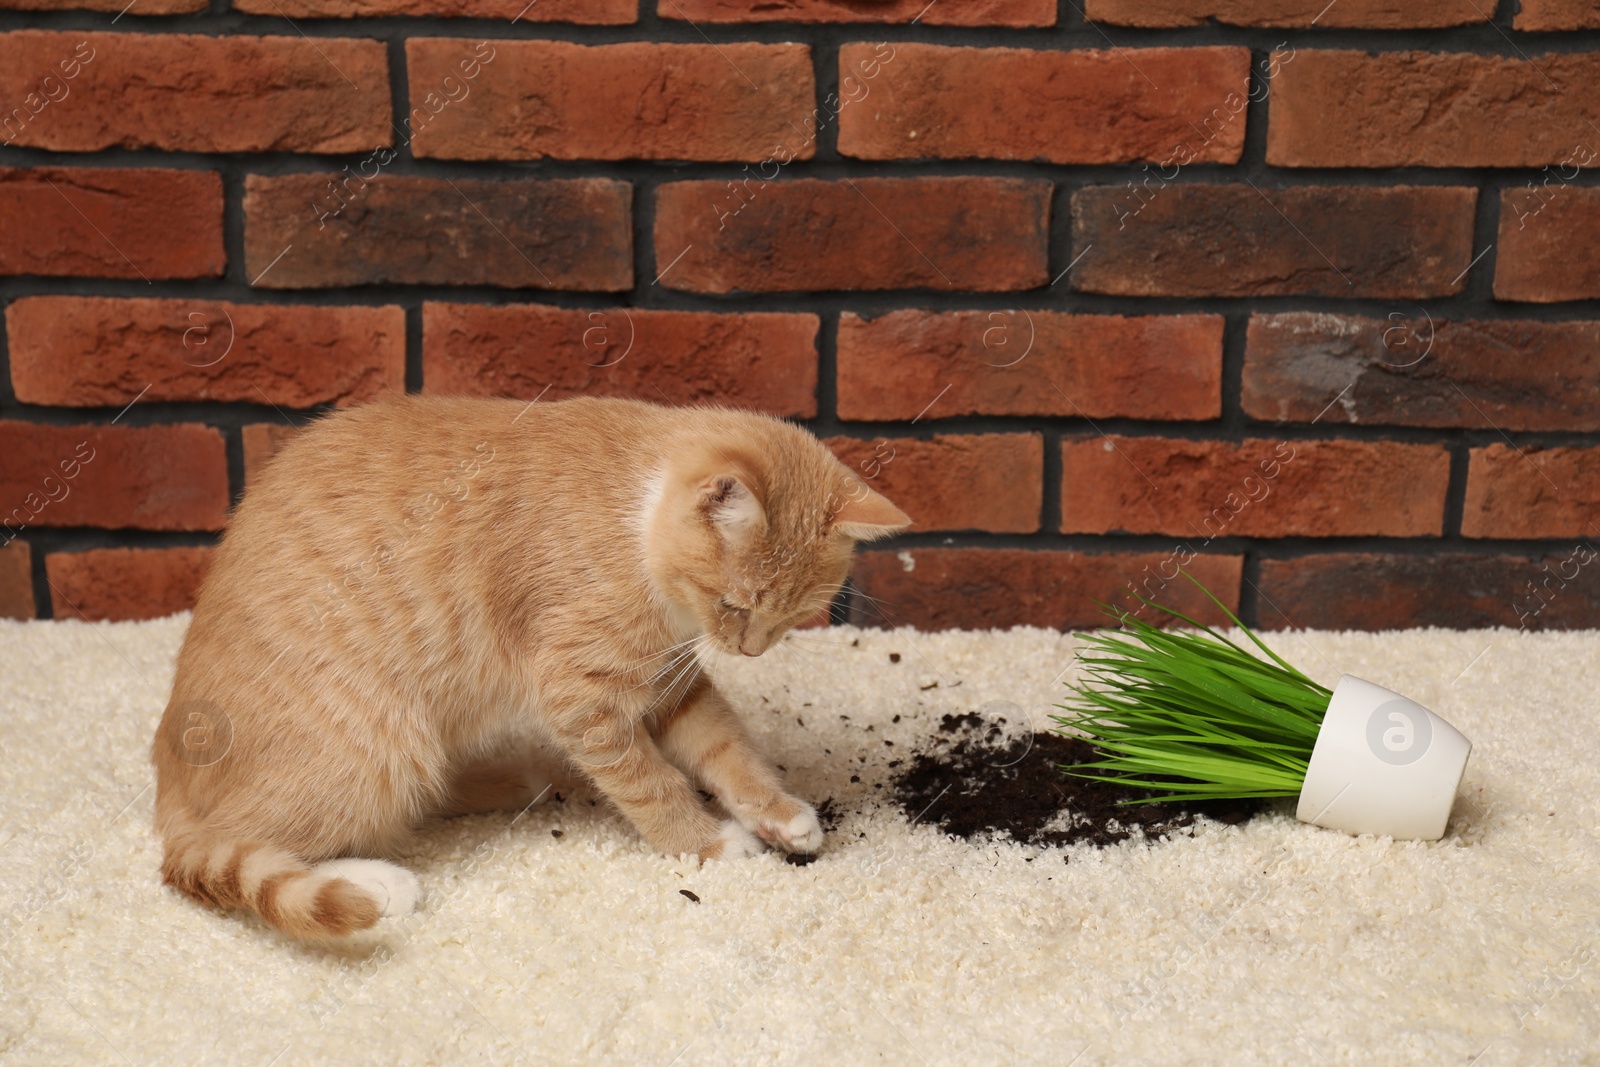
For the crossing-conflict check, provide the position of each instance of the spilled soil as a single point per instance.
(972, 782)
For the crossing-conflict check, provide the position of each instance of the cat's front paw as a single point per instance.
(731, 843)
(800, 832)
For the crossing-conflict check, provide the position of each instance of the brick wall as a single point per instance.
(1299, 295)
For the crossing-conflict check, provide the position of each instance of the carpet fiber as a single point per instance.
(557, 937)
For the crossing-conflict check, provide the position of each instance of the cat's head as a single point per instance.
(753, 535)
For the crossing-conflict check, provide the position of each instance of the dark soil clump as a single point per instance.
(974, 782)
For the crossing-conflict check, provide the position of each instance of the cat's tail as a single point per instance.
(326, 900)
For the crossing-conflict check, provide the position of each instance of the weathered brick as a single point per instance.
(1334, 108)
(525, 233)
(980, 589)
(907, 364)
(639, 100)
(1455, 590)
(261, 442)
(185, 92)
(16, 581)
(987, 234)
(1304, 366)
(585, 12)
(1549, 247)
(145, 7)
(101, 351)
(125, 583)
(1547, 15)
(84, 222)
(1235, 240)
(991, 482)
(1532, 492)
(965, 13)
(765, 361)
(1359, 14)
(1203, 490)
(172, 477)
(930, 101)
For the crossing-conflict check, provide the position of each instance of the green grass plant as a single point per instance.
(1192, 715)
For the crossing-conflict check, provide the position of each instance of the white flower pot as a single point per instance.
(1382, 764)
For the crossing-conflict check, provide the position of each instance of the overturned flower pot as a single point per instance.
(1382, 764)
(1193, 716)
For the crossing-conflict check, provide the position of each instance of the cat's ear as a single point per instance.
(733, 509)
(867, 516)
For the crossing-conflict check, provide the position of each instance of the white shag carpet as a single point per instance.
(1271, 942)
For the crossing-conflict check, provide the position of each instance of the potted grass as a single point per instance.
(1195, 716)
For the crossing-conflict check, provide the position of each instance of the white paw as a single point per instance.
(737, 842)
(802, 833)
(395, 888)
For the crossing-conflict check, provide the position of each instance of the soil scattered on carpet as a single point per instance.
(973, 781)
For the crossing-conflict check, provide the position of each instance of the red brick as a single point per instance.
(1207, 489)
(1234, 240)
(1557, 15)
(525, 233)
(764, 361)
(101, 351)
(97, 223)
(990, 482)
(1457, 590)
(940, 365)
(144, 7)
(1532, 492)
(261, 442)
(171, 477)
(964, 13)
(1426, 109)
(980, 589)
(125, 583)
(1304, 366)
(184, 92)
(929, 101)
(1360, 14)
(586, 12)
(1549, 247)
(16, 581)
(640, 100)
(987, 234)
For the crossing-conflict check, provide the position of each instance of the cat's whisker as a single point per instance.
(676, 661)
(691, 670)
(664, 652)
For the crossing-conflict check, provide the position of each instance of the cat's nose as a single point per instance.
(749, 645)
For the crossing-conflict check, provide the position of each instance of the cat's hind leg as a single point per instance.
(509, 782)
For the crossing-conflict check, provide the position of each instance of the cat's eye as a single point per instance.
(727, 605)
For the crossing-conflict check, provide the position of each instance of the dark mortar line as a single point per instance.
(413, 370)
(1477, 38)
(1455, 494)
(869, 304)
(827, 420)
(1051, 506)
(233, 451)
(1233, 419)
(1249, 583)
(825, 165)
(236, 413)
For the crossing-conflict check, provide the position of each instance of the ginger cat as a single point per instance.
(416, 587)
